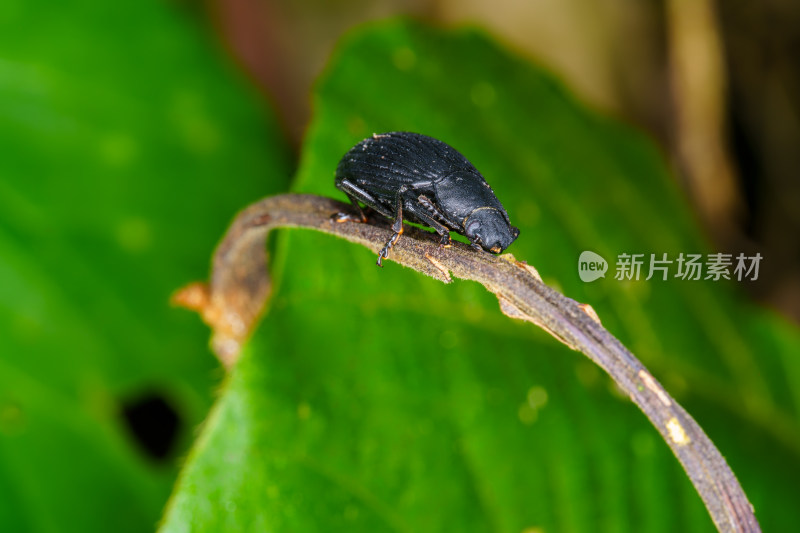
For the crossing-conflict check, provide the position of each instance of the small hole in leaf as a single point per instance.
(153, 422)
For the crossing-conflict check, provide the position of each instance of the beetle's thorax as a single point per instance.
(476, 210)
(462, 192)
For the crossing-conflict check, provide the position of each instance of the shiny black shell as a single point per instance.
(380, 165)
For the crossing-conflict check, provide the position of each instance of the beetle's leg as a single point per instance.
(384, 253)
(427, 216)
(397, 225)
(356, 194)
(349, 217)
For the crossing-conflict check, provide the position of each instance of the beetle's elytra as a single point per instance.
(418, 178)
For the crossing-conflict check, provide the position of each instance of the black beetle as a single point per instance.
(405, 175)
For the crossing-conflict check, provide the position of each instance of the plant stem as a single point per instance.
(234, 298)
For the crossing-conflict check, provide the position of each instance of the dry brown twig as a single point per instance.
(234, 298)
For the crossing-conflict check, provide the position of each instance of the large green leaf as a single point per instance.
(378, 399)
(128, 142)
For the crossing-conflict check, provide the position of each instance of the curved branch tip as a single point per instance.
(233, 300)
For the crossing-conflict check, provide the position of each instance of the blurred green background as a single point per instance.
(375, 399)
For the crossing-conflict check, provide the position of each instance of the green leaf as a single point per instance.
(377, 399)
(128, 143)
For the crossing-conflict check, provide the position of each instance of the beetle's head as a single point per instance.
(487, 227)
